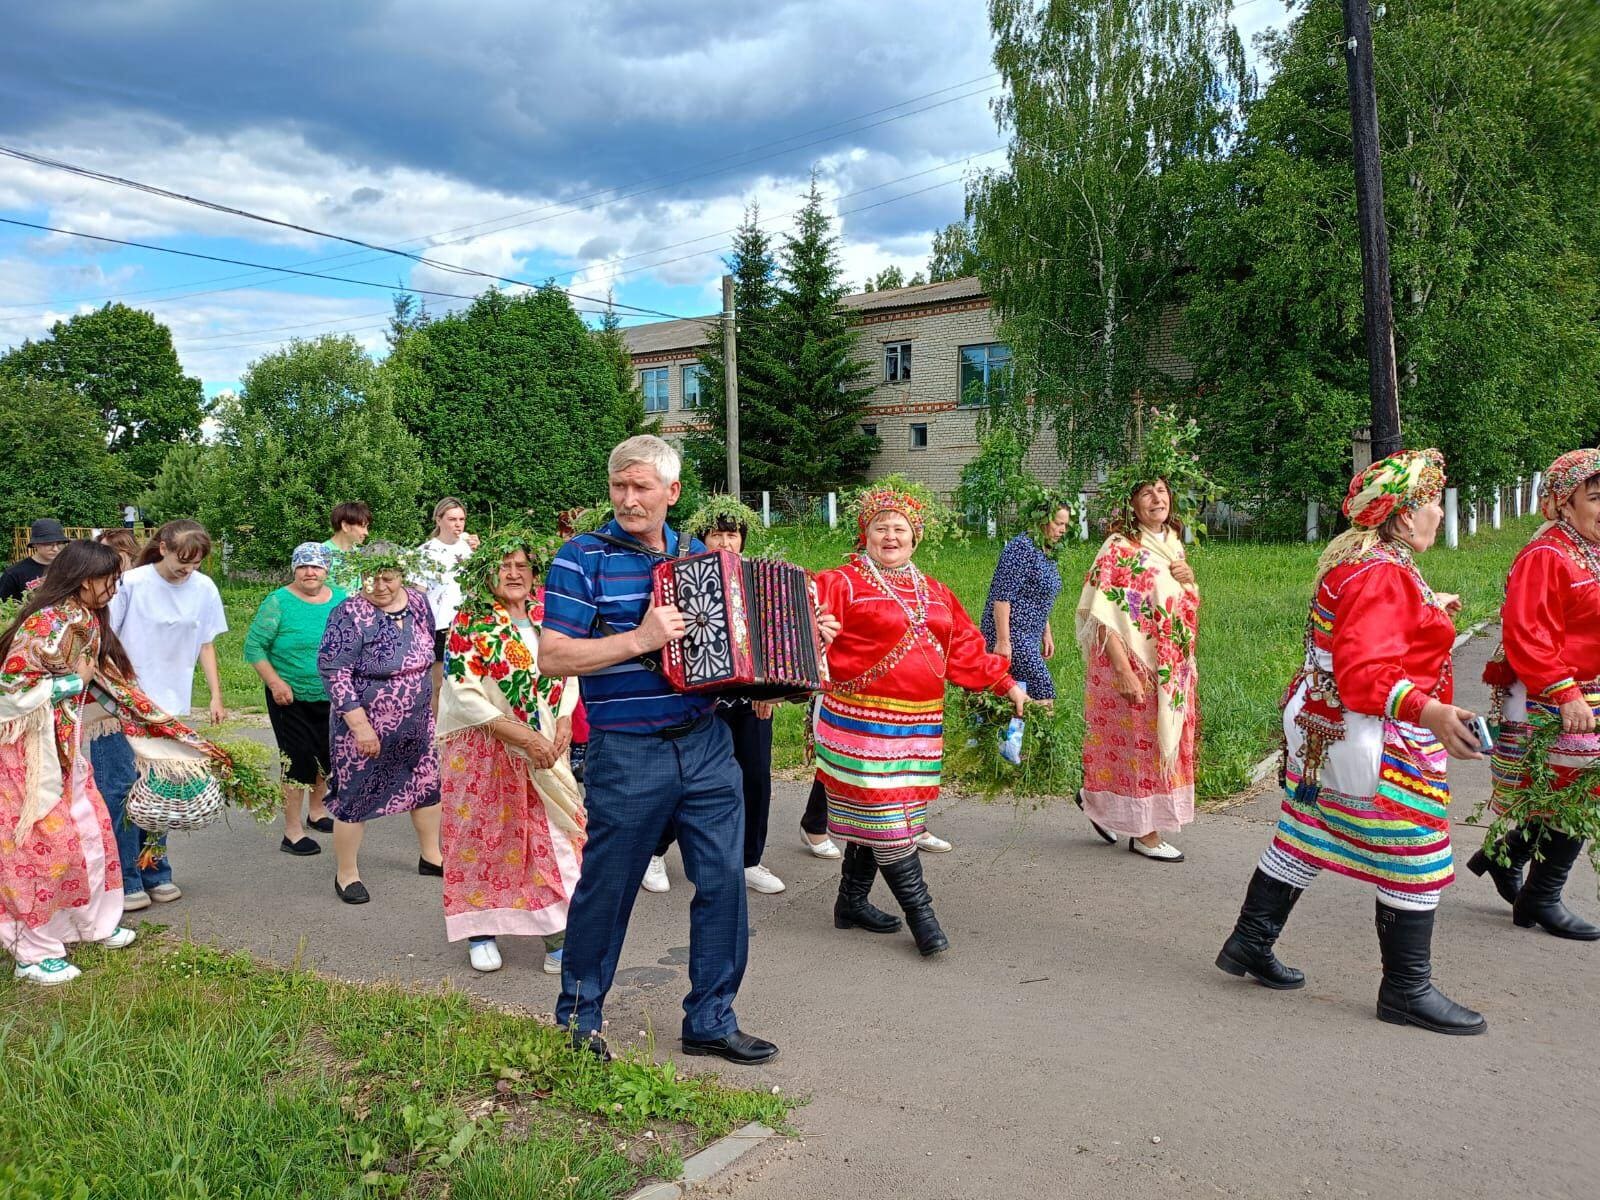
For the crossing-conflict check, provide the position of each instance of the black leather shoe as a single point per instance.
(1106, 835)
(321, 824)
(1248, 950)
(356, 893)
(853, 909)
(301, 849)
(1507, 880)
(1407, 995)
(738, 1048)
(424, 867)
(1539, 901)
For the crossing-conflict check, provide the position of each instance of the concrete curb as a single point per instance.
(1269, 764)
(715, 1158)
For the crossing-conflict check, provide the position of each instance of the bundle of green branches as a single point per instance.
(1574, 809)
(1166, 451)
(974, 726)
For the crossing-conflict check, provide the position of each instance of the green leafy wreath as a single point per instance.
(411, 564)
(725, 507)
(1166, 451)
(478, 573)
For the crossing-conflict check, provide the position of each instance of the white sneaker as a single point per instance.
(134, 901)
(1162, 851)
(120, 937)
(823, 849)
(47, 972)
(552, 962)
(759, 879)
(484, 956)
(165, 893)
(655, 876)
(929, 844)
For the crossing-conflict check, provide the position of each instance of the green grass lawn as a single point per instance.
(171, 1070)
(1252, 620)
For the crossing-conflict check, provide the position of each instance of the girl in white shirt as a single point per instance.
(447, 549)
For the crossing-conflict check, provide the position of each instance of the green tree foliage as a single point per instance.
(1081, 237)
(55, 463)
(954, 253)
(515, 403)
(410, 314)
(1489, 129)
(312, 425)
(761, 419)
(121, 361)
(892, 277)
(630, 402)
(179, 488)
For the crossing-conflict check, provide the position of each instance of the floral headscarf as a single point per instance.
(1565, 476)
(875, 503)
(1401, 483)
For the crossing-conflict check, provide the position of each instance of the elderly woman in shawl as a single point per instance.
(1548, 672)
(1367, 725)
(60, 876)
(513, 819)
(1137, 618)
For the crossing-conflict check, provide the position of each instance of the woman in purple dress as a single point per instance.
(376, 659)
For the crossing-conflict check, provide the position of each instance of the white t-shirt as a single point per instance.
(444, 593)
(162, 627)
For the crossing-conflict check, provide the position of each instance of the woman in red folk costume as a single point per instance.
(880, 727)
(1549, 669)
(1367, 725)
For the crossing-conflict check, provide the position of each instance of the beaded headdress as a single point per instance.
(1565, 476)
(874, 503)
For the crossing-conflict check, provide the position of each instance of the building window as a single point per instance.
(897, 362)
(985, 371)
(692, 375)
(653, 383)
(870, 430)
(919, 437)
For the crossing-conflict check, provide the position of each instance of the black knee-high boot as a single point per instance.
(854, 908)
(1407, 995)
(904, 877)
(1518, 847)
(1539, 901)
(1248, 950)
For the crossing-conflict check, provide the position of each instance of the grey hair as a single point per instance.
(649, 450)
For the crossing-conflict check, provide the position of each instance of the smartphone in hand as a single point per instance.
(1478, 731)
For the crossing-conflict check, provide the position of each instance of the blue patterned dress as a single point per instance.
(369, 660)
(1028, 580)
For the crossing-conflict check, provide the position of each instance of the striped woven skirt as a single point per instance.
(879, 761)
(1380, 809)
(1569, 756)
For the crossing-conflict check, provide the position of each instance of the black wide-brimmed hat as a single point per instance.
(45, 532)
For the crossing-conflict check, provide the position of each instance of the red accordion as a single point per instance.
(752, 626)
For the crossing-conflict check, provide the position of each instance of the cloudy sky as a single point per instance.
(611, 145)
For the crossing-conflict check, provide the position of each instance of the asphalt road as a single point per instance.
(1076, 1042)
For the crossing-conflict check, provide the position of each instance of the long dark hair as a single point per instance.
(76, 565)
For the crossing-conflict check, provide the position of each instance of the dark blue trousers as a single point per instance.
(635, 787)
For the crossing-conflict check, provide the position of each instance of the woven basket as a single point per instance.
(158, 803)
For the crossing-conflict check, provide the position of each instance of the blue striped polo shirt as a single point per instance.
(590, 577)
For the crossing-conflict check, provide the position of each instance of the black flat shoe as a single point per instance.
(304, 848)
(738, 1048)
(1106, 836)
(356, 893)
(424, 867)
(321, 824)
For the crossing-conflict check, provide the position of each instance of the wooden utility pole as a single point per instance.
(1377, 304)
(730, 382)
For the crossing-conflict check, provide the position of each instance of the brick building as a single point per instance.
(933, 352)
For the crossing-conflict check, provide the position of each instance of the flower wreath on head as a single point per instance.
(484, 642)
(1166, 453)
(720, 508)
(380, 557)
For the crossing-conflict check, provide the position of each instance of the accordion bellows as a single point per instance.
(751, 626)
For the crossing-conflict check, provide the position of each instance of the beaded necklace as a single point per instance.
(917, 616)
(1587, 553)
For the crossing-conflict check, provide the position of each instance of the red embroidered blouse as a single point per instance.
(874, 626)
(1389, 639)
(1551, 619)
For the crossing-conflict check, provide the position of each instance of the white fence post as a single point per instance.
(991, 527)
(833, 510)
(1452, 518)
(1083, 516)
(1533, 496)
(766, 510)
(1494, 513)
(1516, 499)
(1313, 514)
(1472, 518)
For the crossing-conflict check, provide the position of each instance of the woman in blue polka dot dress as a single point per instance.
(1016, 616)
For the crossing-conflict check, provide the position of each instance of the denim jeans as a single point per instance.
(637, 786)
(111, 756)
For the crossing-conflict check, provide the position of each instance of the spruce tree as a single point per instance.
(761, 425)
(819, 378)
(630, 404)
